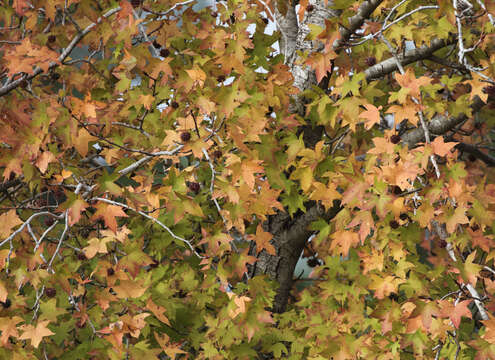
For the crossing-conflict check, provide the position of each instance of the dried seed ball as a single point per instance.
(185, 136)
(52, 38)
(232, 19)
(221, 78)
(442, 243)
(175, 104)
(217, 154)
(404, 216)
(310, 8)
(23, 84)
(6, 304)
(214, 14)
(164, 52)
(395, 139)
(110, 271)
(370, 61)
(265, 20)
(50, 292)
(136, 3)
(393, 224)
(194, 187)
(80, 324)
(81, 256)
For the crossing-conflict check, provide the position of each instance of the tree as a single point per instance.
(159, 190)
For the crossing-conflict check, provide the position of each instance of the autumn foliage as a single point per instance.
(164, 163)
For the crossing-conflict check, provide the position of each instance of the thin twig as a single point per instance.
(156, 221)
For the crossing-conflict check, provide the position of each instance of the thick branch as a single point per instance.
(356, 21)
(387, 66)
(439, 125)
(289, 237)
(477, 153)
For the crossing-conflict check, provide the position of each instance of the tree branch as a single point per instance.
(439, 125)
(387, 66)
(356, 21)
(476, 152)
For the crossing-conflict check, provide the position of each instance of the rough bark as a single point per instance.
(387, 66)
(291, 233)
(439, 125)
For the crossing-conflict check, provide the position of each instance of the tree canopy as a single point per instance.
(166, 164)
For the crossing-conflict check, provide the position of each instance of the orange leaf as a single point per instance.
(158, 311)
(108, 213)
(129, 289)
(409, 80)
(9, 220)
(455, 312)
(372, 115)
(262, 239)
(440, 147)
(35, 334)
(44, 159)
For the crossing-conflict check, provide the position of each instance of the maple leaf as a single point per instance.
(35, 334)
(384, 286)
(240, 302)
(440, 147)
(8, 327)
(81, 140)
(248, 170)
(402, 112)
(75, 210)
(455, 311)
(171, 349)
(9, 220)
(108, 213)
(262, 239)
(477, 87)
(158, 311)
(382, 146)
(44, 159)
(129, 289)
(456, 218)
(146, 100)
(372, 115)
(479, 239)
(409, 81)
(344, 240)
(489, 334)
(96, 246)
(469, 269)
(321, 63)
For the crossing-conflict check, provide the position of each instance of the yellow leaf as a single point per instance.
(96, 246)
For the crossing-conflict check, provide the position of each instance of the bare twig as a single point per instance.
(156, 221)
